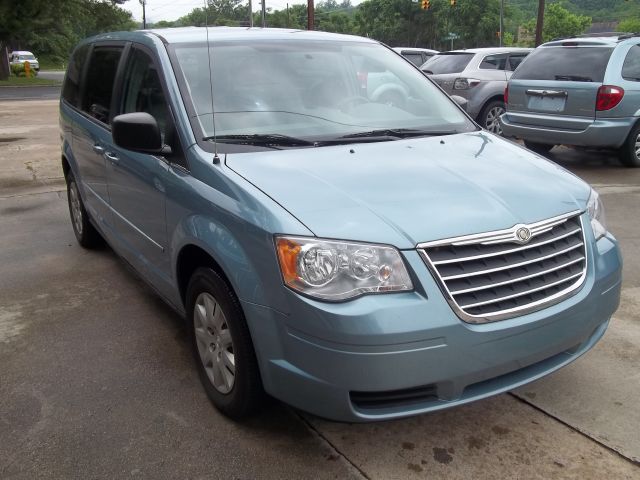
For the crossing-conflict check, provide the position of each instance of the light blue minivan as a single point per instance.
(356, 259)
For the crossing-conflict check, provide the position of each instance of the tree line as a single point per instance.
(50, 28)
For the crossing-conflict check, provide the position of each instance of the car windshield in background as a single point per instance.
(577, 64)
(310, 90)
(447, 62)
(27, 57)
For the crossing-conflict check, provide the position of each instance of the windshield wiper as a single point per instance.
(573, 78)
(399, 133)
(262, 139)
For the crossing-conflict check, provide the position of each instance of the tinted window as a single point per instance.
(99, 82)
(71, 89)
(631, 66)
(142, 89)
(586, 64)
(447, 63)
(515, 60)
(415, 58)
(494, 62)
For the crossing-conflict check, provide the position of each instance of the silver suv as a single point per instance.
(582, 91)
(480, 75)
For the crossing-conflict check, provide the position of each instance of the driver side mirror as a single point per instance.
(138, 132)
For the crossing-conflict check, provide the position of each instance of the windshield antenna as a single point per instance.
(216, 159)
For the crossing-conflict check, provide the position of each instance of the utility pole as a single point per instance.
(264, 13)
(144, 13)
(287, 15)
(501, 20)
(250, 14)
(540, 22)
(310, 11)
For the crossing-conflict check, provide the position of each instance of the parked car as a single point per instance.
(20, 56)
(417, 56)
(480, 75)
(581, 91)
(357, 260)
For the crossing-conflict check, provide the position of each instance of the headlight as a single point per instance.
(335, 270)
(595, 210)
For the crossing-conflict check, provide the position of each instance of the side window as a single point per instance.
(631, 65)
(71, 89)
(99, 82)
(415, 58)
(494, 62)
(142, 90)
(514, 61)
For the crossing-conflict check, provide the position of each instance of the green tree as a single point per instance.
(631, 25)
(50, 28)
(559, 22)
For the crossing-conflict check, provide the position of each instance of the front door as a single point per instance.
(137, 180)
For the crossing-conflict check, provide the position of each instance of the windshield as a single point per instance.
(447, 62)
(308, 89)
(582, 64)
(27, 57)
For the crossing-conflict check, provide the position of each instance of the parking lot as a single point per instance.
(97, 381)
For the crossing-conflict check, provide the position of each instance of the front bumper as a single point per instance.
(606, 133)
(388, 356)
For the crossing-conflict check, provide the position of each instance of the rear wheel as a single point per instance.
(630, 152)
(85, 232)
(541, 148)
(490, 116)
(222, 346)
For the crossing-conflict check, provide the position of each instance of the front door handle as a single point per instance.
(112, 157)
(98, 149)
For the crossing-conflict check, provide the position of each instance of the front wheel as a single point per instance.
(539, 148)
(630, 152)
(490, 116)
(222, 346)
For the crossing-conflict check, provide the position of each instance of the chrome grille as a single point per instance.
(496, 275)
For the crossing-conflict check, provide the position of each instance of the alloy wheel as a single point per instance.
(76, 207)
(637, 147)
(215, 345)
(492, 122)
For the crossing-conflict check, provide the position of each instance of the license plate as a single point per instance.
(546, 104)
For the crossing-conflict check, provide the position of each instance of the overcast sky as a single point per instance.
(173, 9)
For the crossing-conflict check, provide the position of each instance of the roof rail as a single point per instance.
(628, 35)
(601, 34)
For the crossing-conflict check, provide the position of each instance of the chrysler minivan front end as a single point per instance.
(356, 258)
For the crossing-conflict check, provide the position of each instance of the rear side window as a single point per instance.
(447, 63)
(99, 82)
(494, 62)
(631, 65)
(580, 64)
(71, 89)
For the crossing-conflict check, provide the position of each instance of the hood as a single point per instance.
(415, 190)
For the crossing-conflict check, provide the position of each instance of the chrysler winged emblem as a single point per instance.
(523, 234)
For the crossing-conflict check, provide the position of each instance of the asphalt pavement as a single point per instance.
(41, 92)
(96, 379)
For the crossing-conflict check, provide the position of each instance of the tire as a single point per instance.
(86, 234)
(539, 148)
(630, 151)
(489, 117)
(217, 328)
